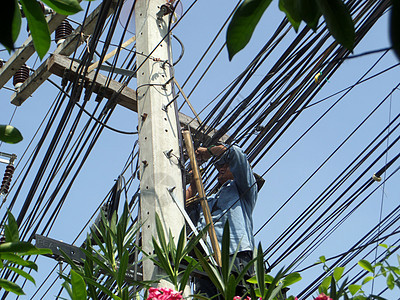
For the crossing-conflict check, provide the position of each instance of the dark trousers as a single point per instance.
(205, 286)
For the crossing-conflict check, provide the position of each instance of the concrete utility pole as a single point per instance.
(158, 132)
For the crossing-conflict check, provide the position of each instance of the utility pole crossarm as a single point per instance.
(27, 49)
(68, 47)
(61, 65)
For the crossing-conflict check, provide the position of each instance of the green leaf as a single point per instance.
(19, 260)
(383, 271)
(37, 26)
(195, 240)
(291, 279)
(11, 229)
(69, 261)
(7, 22)
(230, 291)
(275, 292)
(390, 281)
(23, 274)
(22, 247)
(366, 265)
(333, 288)
(105, 266)
(339, 22)
(395, 27)
(211, 271)
(367, 279)
(271, 291)
(64, 7)
(244, 271)
(78, 286)
(322, 259)
(260, 270)
(123, 265)
(225, 252)
(11, 287)
(16, 23)
(243, 23)
(180, 247)
(354, 288)
(323, 288)
(10, 134)
(309, 12)
(342, 288)
(162, 260)
(337, 273)
(67, 287)
(267, 279)
(290, 8)
(161, 233)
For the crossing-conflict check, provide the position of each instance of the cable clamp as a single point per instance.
(165, 9)
(168, 153)
(376, 178)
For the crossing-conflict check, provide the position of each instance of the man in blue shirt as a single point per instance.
(234, 202)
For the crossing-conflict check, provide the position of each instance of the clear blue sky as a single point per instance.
(196, 30)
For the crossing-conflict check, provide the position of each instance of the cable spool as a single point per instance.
(5, 185)
(20, 76)
(62, 31)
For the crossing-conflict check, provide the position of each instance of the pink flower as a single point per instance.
(163, 294)
(323, 297)
(239, 298)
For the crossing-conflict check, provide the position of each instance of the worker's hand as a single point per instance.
(203, 154)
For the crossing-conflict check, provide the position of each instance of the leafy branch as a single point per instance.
(335, 12)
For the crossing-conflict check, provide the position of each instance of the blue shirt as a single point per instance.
(234, 201)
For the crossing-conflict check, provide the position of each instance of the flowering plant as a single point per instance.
(322, 296)
(111, 256)
(163, 294)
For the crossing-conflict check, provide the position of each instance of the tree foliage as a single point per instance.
(335, 12)
(169, 254)
(10, 19)
(10, 134)
(12, 252)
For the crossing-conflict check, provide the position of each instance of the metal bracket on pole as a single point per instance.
(74, 253)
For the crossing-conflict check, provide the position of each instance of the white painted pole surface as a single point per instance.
(158, 133)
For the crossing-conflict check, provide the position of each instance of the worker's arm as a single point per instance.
(191, 191)
(205, 154)
(240, 168)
